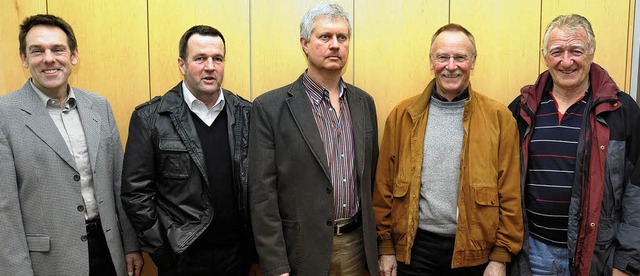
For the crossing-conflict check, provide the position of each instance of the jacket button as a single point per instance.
(76, 177)
(328, 190)
(329, 223)
(592, 225)
(80, 208)
(83, 238)
(602, 147)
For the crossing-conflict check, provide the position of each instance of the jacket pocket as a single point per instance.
(400, 188)
(485, 214)
(38, 242)
(175, 161)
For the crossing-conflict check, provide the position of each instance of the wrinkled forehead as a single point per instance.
(564, 37)
(452, 42)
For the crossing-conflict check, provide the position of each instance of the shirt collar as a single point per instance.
(462, 96)
(318, 92)
(190, 99)
(70, 104)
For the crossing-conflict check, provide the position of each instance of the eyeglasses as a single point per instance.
(443, 58)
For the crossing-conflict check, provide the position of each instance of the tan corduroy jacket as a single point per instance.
(490, 225)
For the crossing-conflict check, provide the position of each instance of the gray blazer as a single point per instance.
(42, 225)
(290, 191)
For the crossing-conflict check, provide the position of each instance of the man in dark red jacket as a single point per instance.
(581, 172)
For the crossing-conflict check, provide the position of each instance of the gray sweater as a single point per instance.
(441, 167)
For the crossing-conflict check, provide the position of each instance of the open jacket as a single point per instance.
(42, 224)
(489, 205)
(165, 189)
(604, 213)
(290, 189)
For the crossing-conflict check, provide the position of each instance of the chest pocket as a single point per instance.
(174, 159)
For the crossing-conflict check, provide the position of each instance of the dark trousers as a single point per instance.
(204, 257)
(100, 263)
(431, 255)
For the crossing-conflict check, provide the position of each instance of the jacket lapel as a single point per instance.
(38, 120)
(303, 117)
(358, 119)
(90, 119)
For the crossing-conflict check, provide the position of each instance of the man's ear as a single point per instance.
(75, 55)
(25, 62)
(181, 66)
(304, 44)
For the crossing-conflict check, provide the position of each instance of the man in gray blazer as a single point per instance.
(60, 166)
(313, 148)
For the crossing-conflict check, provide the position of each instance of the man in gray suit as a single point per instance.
(60, 165)
(313, 148)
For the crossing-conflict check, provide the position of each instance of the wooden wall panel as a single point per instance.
(391, 54)
(507, 34)
(112, 41)
(12, 74)
(277, 58)
(610, 23)
(629, 60)
(169, 19)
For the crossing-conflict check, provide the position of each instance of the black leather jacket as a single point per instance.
(165, 189)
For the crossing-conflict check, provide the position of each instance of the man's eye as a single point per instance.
(460, 58)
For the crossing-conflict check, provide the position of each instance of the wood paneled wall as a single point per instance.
(129, 49)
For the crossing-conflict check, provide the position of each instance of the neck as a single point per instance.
(330, 80)
(58, 93)
(449, 96)
(570, 95)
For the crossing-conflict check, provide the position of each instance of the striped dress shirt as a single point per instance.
(336, 133)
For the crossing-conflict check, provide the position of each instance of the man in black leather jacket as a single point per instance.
(184, 182)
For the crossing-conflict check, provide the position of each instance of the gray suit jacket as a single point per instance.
(42, 225)
(290, 191)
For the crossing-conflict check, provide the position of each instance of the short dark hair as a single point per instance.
(202, 30)
(452, 27)
(47, 20)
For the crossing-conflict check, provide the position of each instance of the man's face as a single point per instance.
(203, 70)
(49, 59)
(452, 60)
(568, 59)
(328, 46)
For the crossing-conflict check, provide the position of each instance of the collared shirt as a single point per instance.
(336, 132)
(462, 96)
(200, 109)
(67, 121)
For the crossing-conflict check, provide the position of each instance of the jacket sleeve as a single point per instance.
(139, 186)
(263, 194)
(383, 189)
(627, 254)
(509, 236)
(14, 253)
(128, 234)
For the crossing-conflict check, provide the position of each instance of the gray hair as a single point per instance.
(570, 23)
(322, 9)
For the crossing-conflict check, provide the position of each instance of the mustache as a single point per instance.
(455, 73)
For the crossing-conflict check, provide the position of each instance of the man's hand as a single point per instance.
(254, 270)
(387, 265)
(495, 269)
(618, 272)
(285, 274)
(134, 263)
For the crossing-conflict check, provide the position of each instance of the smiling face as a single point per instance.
(452, 60)
(49, 59)
(568, 59)
(203, 69)
(328, 46)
